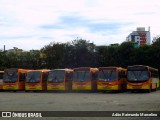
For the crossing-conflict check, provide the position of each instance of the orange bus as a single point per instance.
(1, 80)
(60, 79)
(140, 77)
(36, 80)
(85, 78)
(14, 79)
(111, 78)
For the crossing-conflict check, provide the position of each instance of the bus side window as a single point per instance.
(22, 77)
(69, 76)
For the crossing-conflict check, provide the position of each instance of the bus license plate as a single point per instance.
(137, 87)
(106, 87)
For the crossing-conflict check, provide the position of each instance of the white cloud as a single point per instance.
(20, 20)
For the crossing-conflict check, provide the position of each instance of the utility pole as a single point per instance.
(4, 48)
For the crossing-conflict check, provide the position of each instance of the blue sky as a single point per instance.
(32, 24)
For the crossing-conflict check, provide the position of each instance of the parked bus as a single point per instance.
(60, 79)
(85, 78)
(1, 80)
(111, 79)
(140, 77)
(14, 79)
(36, 80)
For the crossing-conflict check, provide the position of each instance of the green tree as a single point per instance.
(54, 53)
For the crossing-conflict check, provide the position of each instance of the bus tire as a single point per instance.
(149, 90)
(156, 87)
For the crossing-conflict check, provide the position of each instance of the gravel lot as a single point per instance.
(54, 101)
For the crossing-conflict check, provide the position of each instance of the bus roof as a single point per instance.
(85, 69)
(66, 69)
(151, 68)
(42, 70)
(111, 68)
(17, 69)
(1, 71)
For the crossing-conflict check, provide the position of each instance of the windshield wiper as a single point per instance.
(83, 77)
(104, 75)
(140, 75)
(110, 74)
(134, 75)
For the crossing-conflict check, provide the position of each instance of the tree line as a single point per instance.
(82, 53)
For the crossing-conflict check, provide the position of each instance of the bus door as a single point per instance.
(68, 81)
(94, 80)
(44, 80)
(22, 76)
(122, 80)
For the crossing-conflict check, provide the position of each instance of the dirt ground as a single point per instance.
(55, 101)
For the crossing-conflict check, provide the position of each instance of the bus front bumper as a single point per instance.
(106, 87)
(10, 87)
(138, 87)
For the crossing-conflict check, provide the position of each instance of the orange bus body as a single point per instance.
(140, 77)
(111, 79)
(14, 79)
(1, 80)
(36, 80)
(60, 79)
(85, 78)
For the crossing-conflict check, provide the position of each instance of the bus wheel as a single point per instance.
(156, 87)
(149, 90)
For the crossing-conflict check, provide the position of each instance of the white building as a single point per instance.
(140, 37)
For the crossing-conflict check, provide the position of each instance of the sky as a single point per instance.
(32, 24)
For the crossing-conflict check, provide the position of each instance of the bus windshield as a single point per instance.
(107, 75)
(33, 77)
(137, 76)
(10, 76)
(81, 76)
(56, 76)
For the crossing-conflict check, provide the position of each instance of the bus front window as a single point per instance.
(10, 76)
(81, 76)
(33, 77)
(107, 75)
(56, 76)
(137, 75)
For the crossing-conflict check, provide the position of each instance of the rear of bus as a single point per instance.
(36, 80)
(14, 79)
(1, 80)
(141, 77)
(111, 79)
(85, 79)
(60, 79)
